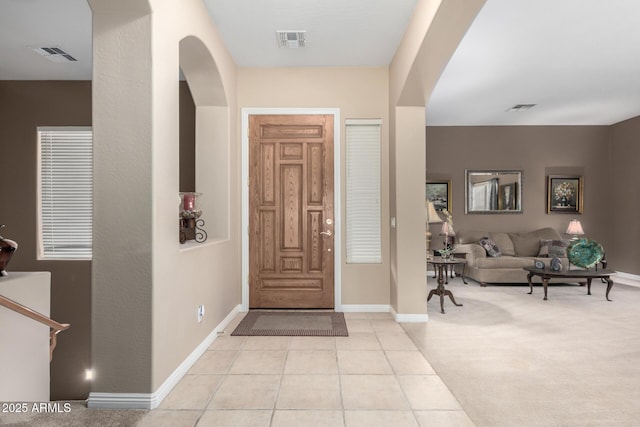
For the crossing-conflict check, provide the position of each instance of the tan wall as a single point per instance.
(209, 273)
(538, 151)
(622, 210)
(146, 285)
(24, 105)
(358, 93)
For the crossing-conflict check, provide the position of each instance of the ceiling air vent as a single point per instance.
(521, 107)
(54, 54)
(291, 39)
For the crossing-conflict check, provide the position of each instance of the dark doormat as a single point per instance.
(292, 323)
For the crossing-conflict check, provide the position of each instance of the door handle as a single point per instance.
(326, 233)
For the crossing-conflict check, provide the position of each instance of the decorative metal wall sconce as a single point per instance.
(190, 222)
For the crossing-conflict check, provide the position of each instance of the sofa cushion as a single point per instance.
(528, 244)
(465, 237)
(490, 246)
(504, 242)
(551, 248)
(504, 262)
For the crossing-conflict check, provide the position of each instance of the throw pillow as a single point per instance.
(551, 248)
(504, 242)
(490, 246)
(528, 244)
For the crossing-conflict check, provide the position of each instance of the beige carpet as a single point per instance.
(293, 323)
(72, 414)
(512, 359)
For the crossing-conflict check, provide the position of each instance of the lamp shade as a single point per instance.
(432, 214)
(574, 228)
(447, 230)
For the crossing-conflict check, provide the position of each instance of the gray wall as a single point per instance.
(187, 139)
(623, 210)
(24, 105)
(538, 151)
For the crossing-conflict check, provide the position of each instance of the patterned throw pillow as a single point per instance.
(490, 246)
(551, 248)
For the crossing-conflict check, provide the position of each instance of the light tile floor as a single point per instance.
(374, 377)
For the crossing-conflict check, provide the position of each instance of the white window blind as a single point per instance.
(363, 234)
(65, 192)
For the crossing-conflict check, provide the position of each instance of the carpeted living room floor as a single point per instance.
(513, 359)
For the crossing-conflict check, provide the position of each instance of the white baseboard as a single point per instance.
(382, 308)
(627, 279)
(153, 400)
(364, 308)
(120, 400)
(409, 318)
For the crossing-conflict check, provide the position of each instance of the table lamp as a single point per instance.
(574, 229)
(448, 233)
(432, 218)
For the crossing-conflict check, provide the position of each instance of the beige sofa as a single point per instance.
(518, 250)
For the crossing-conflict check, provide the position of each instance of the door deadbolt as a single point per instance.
(329, 221)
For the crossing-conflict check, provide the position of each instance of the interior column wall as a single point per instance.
(434, 32)
(146, 326)
(122, 258)
(194, 274)
(411, 281)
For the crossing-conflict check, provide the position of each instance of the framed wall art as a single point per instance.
(565, 194)
(439, 192)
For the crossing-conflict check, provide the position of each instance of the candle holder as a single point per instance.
(190, 222)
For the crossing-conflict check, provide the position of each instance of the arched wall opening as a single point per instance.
(211, 152)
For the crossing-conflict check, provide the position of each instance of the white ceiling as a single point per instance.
(44, 23)
(578, 60)
(339, 32)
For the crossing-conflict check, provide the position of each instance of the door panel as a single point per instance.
(290, 200)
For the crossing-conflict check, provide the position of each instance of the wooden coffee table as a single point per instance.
(441, 266)
(546, 274)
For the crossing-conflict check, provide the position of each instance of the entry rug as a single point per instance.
(293, 323)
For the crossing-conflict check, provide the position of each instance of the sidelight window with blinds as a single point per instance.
(65, 192)
(363, 208)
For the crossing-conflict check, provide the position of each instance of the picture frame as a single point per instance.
(439, 192)
(493, 191)
(565, 194)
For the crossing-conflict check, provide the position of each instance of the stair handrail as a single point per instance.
(55, 327)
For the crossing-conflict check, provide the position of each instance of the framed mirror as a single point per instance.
(493, 191)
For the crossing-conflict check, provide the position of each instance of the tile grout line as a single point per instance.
(222, 380)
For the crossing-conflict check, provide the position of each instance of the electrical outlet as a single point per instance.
(200, 313)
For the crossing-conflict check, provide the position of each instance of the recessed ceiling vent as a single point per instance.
(54, 54)
(291, 39)
(521, 107)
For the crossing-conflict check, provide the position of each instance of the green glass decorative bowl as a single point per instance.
(585, 253)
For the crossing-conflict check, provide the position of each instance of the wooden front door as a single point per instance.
(291, 222)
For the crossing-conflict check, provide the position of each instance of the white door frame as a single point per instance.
(337, 271)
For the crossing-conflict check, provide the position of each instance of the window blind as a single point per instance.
(65, 192)
(363, 209)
